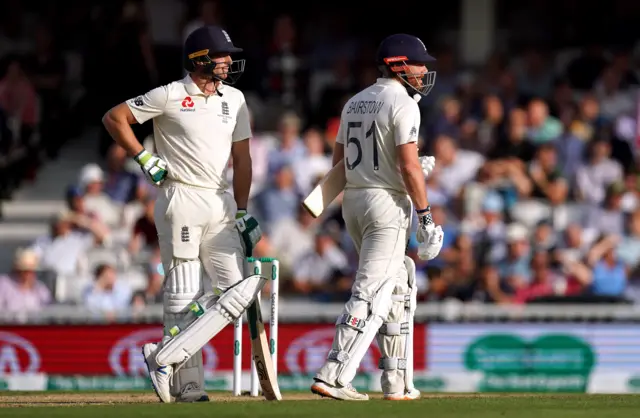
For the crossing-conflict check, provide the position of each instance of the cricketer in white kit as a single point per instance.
(199, 123)
(384, 181)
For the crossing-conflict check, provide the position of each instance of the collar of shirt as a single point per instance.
(194, 90)
(393, 83)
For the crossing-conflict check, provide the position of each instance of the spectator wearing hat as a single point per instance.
(21, 291)
(95, 198)
(514, 269)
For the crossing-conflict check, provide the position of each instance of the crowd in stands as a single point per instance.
(536, 183)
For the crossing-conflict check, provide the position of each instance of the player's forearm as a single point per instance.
(242, 174)
(414, 182)
(121, 132)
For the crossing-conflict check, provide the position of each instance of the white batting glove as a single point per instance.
(429, 236)
(427, 163)
(154, 168)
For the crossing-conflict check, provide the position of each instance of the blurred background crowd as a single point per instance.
(536, 182)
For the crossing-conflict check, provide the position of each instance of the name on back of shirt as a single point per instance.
(362, 107)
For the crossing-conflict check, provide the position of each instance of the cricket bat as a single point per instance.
(326, 191)
(261, 353)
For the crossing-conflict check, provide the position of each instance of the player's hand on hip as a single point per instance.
(249, 230)
(153, 167)
(427, 163)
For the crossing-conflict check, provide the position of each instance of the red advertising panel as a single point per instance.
(116, 349)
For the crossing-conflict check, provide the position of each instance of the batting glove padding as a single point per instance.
(249, 230)
(154, 168)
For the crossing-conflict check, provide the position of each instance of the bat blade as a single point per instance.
(261, 354)
(326, 191)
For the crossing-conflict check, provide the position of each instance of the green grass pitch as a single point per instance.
(141, 405)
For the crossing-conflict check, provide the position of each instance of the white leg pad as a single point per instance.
(354, 336)
(212, 315)
(395, 337)
(182, 286)
(410, 313)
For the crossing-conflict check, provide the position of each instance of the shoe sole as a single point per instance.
(324, 394)
(153, 384)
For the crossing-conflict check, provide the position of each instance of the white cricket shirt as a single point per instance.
(193, 132)
(373, 123)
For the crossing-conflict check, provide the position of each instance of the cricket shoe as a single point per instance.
(411, 395)
(192, 392)
(160, 375)
(345, 393)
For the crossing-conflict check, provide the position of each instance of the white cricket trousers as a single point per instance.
(377, 221)
(196, 223)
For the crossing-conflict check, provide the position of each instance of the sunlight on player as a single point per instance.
(384, 181)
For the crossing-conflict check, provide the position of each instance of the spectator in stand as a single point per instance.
(144, 235)
(153, 292)
(84, 221)
(281, 199)
(63, 248)
(542, 126)
(322, 270)
(291, 238)
(96, 200)
(19, 102)
(208, 14)
(593, 177)
(21, 291)
(543, 280)
(315, 163)
(588, 119)
(607, 275)
(546, 176)
(107, 295)
(628, 251)
(290, 148)
(515, 147)
(455, 166)
(120, 185)
(47, 70)
(608, 218)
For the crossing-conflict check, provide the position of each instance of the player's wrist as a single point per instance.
(142, 157)
(424, 211)
(425, 216)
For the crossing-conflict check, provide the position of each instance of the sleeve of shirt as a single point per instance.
(406, 122)
(150, 105)
(242, 130)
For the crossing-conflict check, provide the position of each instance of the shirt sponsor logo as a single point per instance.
(188, 105)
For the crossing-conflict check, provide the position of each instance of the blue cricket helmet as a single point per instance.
(397, 52)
